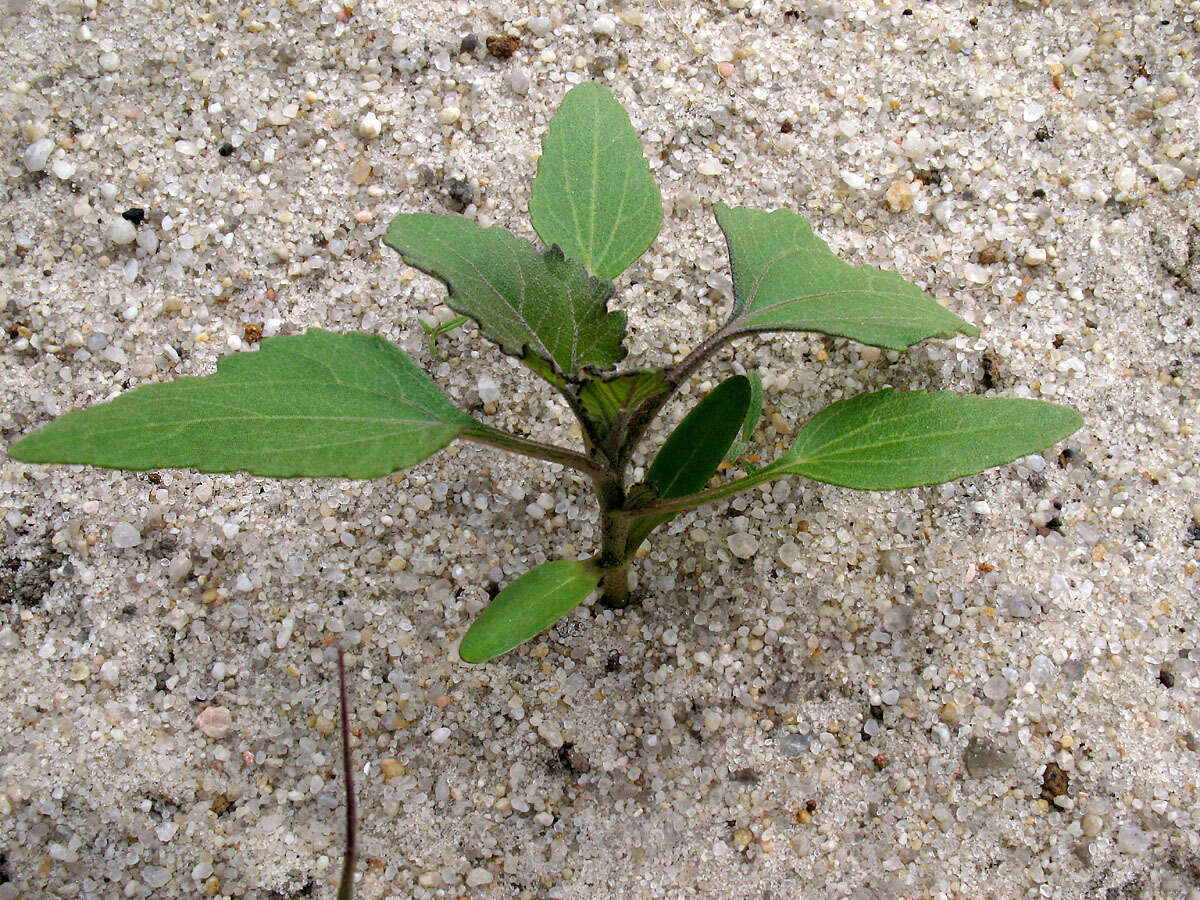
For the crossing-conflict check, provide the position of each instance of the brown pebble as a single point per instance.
(252, 332)
(502, 46)
(1055, 782)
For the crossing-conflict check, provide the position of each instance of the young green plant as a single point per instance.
(324, 405)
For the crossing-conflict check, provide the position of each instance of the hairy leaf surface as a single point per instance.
(899, 439)
(785, 278)
(528, 606)
(594, 195)
(524, 299)
(317, 405)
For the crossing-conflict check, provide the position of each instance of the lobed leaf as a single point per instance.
(899, 439)
(316, 405)
(594, 195)
(694, 450)
(785, 278)
(528, 606)
(524, 299)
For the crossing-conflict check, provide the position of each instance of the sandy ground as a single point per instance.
(986, 689)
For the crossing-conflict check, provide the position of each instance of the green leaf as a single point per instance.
(899, 439)
(753, 414)
(695, 448)
(524, 299)
(528, 606)
(317, 405)
(436, 331)
(785, 278)
(594, 195)
(605, 399)
(543, 369)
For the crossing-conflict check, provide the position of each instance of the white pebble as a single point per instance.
(110, 62)
(539, 25)
(518, 81)
(1078, 55)
(179, 568)
(125, 536)
(37, 154)
(710, 167)
(1169, 177)
(1033, 112)
(440, 735)
(110, 671)
(121, 232)
(1133, 840)
(449, 115)
(62, 853)
(489, 391)
(1035, 256)
(743, 545)
(853, 180)
(370, 127)
(995, 688)
(63, 169)
(156, 876)
(914, 145)
(478, 877)
(604, 26)
(286, 627)
(1125, 181)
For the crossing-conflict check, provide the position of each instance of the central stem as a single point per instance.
(614, 537)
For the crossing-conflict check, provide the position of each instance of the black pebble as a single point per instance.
(225, 149)
(469, 44)
(460, 194)
(134, 214)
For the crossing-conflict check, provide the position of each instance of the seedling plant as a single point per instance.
(324, 405)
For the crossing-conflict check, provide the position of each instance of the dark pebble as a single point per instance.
(1192, 537)
(225, 149)
(459, 194)
(134, 214)
(469, 44)
(502, 46)
(1055, 782)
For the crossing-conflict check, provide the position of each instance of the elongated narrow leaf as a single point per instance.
(695, 448)
(528, 606)
(594, 195)
(753, 414)
(524, 299)
(317, 404)
(785, 278)
(898, 439)
(604, 399)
